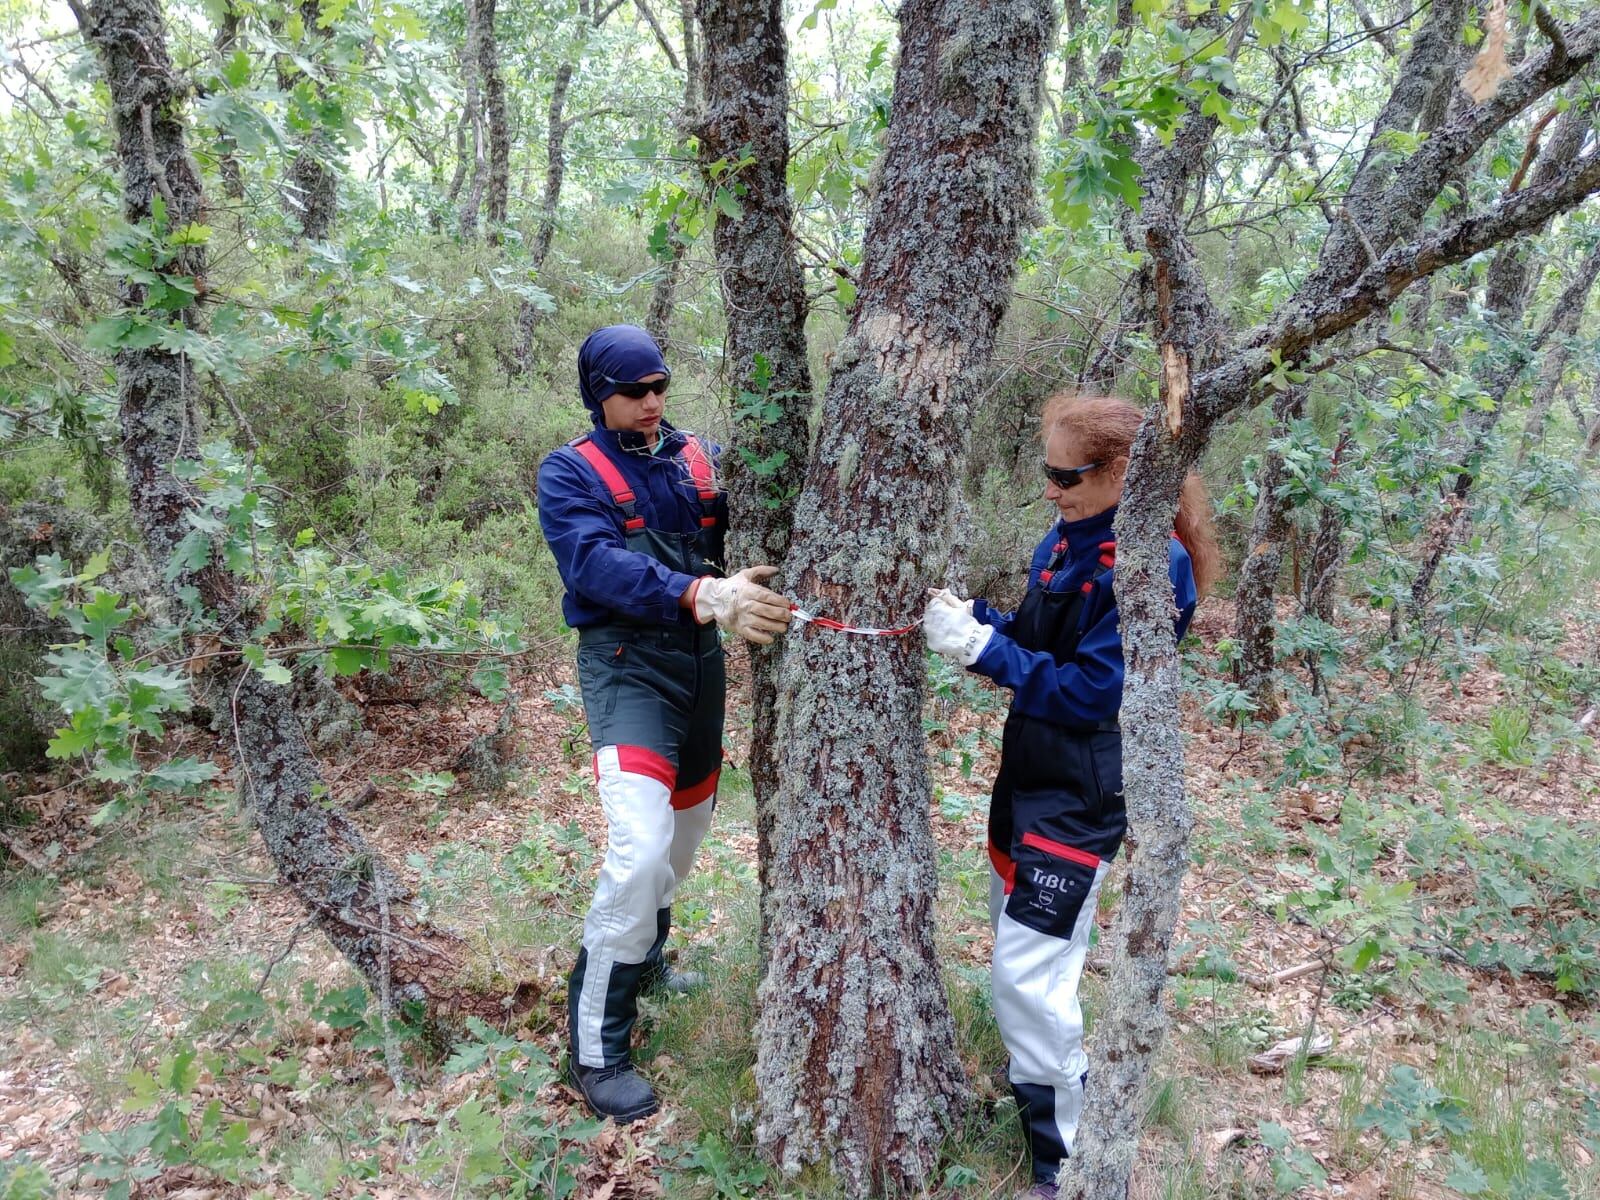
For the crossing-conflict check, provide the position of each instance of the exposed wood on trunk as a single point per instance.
(856, 1061)
(355, 898)
(744, 81)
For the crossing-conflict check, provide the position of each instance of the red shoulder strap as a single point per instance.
(700, 470)
(612, 478)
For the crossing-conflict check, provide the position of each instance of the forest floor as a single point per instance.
(172, 1030)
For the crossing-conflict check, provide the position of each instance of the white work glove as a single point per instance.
(951, 629)
(740, 605)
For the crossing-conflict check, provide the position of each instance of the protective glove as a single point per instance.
(951, 629)
(740, 605)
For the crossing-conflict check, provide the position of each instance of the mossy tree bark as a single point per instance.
(496, 120)
(1209, 372)
(746, 111)
(856, 1062)
(354, 897)
(311, 189)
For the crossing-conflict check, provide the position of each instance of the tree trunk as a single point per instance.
(226, 41)
(1565, 317)
(310, 188)
(1506, 288)
(746, 90)
(664, 296)
(472, 122)
(856, 1061)
(494, 112)
(555, 171)
(1255, 620)
(354, 897)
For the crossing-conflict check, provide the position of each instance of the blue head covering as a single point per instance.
(620, 352)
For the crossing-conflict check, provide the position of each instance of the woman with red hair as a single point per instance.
(1056, 816)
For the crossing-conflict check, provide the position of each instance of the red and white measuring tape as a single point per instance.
(807, 618)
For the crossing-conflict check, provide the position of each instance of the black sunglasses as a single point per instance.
(1066, 477)
(635, 389)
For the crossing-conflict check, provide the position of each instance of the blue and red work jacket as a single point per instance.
(585, 528)
(1087, 690)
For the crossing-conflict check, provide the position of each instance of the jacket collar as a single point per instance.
(1089, 532)
(631, 443)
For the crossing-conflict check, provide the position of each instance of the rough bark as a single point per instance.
(1565, 317)
(856, 1060)
(310, 187)
(496, 121)
(745, 111)
(354, 896)
(472, 123)
(1195, 395)
(1255, 620)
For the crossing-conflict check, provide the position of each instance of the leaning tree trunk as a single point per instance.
(855, 1050)
(354, 897)
(1565, 317)
(746, 86)
(1255, 619)
(311, 191)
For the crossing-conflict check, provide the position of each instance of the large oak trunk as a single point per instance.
(856, 1061)
(350, 892)
(746, 102)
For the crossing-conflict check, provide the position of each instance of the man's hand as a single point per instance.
(951, 629)
(742, 606)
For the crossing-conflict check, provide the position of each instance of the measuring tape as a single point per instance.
(806, 618)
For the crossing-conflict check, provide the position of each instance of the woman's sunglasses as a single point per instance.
(1066, 477)
(635, 389)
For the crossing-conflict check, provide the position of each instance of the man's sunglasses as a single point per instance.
(635, 389)
(1067, 477)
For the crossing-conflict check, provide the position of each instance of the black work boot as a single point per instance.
(617, 1092)
(660, 976)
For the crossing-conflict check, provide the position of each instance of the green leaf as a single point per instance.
(727, 204)
(1465, 1177)
(182, 775)
(348, 660)
(108, 333)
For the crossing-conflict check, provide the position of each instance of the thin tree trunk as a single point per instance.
(226, 41)
(310, 188)
(353, 895)
(1506, 289)
(856, 1061)
(1255, 619)
(1566, 316)
(472, 119)
(555, 171)
(664, 296)
(495, 117)
(746, 90)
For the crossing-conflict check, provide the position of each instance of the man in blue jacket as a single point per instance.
(635, 519)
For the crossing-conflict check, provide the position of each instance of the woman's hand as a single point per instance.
(951, 629)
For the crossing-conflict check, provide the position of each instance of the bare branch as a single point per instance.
(1551, 28)
(660, 33)
(1531, 150)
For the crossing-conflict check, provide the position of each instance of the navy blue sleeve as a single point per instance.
(1087, 690)
(585, 535)
(989, 616)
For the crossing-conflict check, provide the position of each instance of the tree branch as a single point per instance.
(661, 34)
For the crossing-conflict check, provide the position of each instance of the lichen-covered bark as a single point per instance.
(354, 897)
(472, 122)
(1255, 618)
(856, 1062)
(226, 41)
(497, 123)
(745, 88)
